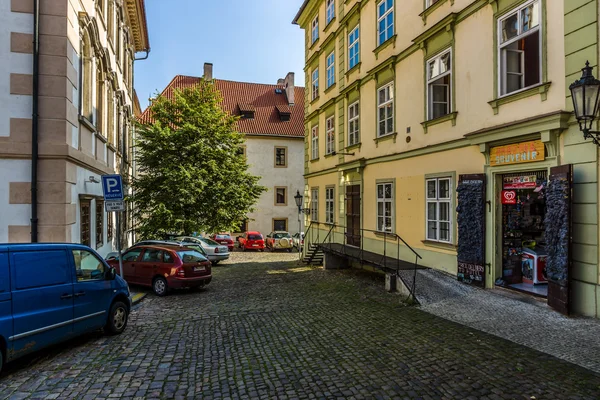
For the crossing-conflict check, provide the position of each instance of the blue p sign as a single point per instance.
(112, 186)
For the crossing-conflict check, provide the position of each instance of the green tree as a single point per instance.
(192, 176)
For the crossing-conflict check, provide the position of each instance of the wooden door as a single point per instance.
(353, 235)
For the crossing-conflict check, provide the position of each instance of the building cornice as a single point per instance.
(136, 10)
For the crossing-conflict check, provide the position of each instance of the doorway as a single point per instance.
(353, 235)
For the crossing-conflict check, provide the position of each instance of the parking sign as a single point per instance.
(112, 186)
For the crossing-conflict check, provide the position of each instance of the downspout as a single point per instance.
(34, 121)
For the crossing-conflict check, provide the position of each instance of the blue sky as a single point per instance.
(246, 40)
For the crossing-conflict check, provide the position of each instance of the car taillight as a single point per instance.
(180, 272)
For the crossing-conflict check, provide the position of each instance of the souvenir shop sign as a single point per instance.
(520, 182)
(517, 153)
(509, 197)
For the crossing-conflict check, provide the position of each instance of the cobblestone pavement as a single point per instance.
(267, 327)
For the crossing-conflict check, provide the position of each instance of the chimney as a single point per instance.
(208, 71)
(289, 87)
(281, 82)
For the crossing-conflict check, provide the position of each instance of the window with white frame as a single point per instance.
(329, 204)
(315, 83)
(429, 3)
(439, 220)
(354, 47)
(385, 21)
(385, 204)
(315, 29)
(520, 48)
(439, 85)
(353, 124)
(315, 142)
(314, 204)
(330, 11)
(330, 131)
(385, 108)
(331, 69)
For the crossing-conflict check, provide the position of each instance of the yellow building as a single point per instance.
(411, 105)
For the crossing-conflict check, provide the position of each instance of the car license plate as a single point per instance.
(254, 245)
(199, 269)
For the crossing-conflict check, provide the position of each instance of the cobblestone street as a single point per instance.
(268, 327)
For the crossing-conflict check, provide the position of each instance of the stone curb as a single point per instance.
(137, 298)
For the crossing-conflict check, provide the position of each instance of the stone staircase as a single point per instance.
(314, 255)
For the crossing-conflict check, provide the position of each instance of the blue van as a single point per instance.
(50, 293)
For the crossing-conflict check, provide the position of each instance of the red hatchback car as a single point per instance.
(251, 241)
(224, 239)
(164, 267)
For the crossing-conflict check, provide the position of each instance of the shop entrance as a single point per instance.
(524, 253)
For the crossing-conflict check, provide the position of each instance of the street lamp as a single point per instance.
(585, 93)
(298, 197)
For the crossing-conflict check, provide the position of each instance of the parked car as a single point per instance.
(52, 292)
(165, 267)
(298, 241)
(190, 245)
(224, 239)
(251, 240)
(279, 240)
(215, 251)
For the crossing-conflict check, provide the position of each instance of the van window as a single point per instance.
(40, 268)
(87, 266)
(4, 273)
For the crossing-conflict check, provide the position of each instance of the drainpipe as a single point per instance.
(34, 121)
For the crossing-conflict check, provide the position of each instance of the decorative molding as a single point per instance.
(541, 89)
(383, 138)
(445, 118)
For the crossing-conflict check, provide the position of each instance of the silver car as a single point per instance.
(214, 251)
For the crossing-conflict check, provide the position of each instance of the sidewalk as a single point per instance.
(517, 317)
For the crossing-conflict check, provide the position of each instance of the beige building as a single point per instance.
(77, 81)
(449, 124)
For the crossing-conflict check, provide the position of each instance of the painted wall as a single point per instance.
(13, 214)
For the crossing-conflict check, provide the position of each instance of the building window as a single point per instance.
(243, 226)
(87, 79)
(429, 3)
(315, 83)
(281, 196)
(315, 142)
(385, 203)
(314, 204)
(520, 48)
(353, 124)
(109, 227)
(100, 102)
(99, 223)
(330, 135)
(329, 204)
(242, 152)
(439, 209)
(439, 85)
(385, 21)
(281, 156)
(84, 222)
(119, 38)
(111, 21)
(331, 69)
(315, 29)
(330, 11)
(353, 48)
(385, 105)
(280, 224)
(110, 126)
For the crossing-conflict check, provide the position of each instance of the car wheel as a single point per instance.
(117, 319)
(160, 286)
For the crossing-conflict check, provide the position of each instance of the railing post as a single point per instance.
(384, 249)
(397, 255)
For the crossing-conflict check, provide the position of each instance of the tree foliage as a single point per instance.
(192, 176)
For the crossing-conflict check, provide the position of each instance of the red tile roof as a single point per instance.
(263, 98)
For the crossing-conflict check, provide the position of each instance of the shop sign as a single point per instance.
(520, 182)
(517, 153)
(509, 197)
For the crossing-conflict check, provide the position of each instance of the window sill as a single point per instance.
(330, 88)
(355, 146)
(314, 160)
(313, 101)
(439, 120)
(102, 138)
(87, 123)
(385, 137)
(329, 25)
(280, 205)
(329, 155)
(351, 70)
(429, 10)
(112, 147)
(281, 166)
(439, 245)
(541, 89)
(382, 46)
(384, 234)
(313, 44)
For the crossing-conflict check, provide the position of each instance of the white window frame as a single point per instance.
(315, 142)
(384, 17)
(329, 11)
(314, 204)
(435, 78)
(356, 44)
(385, 201)
(315, 83)
(437, 200)
(354, 120)
(429, 3)
(388, 101)
(330, 135)
(329, 205)
(331, 69)
(502, 60)
(315, 29)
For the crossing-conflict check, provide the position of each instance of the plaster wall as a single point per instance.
(13, 214)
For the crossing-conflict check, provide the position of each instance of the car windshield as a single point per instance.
(222, 237)
(190, 256)
(281, 235)
(255, 237)
(210, 242)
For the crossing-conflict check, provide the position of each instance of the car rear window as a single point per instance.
(210, 242)
(190, 256)
(255, 237)
(281, 235)
(223, 237)
(194, 246)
